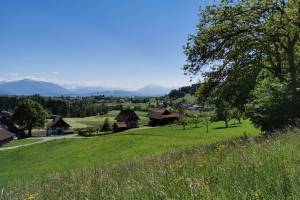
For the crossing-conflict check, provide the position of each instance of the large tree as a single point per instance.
(30, 114)
(237, 39)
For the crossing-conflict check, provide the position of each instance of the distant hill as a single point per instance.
(153, 90)
(31, 87)
(183, 91)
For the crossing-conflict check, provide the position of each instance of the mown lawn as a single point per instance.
(61, 155)
(21, 142)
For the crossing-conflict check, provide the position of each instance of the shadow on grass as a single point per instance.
(231, 126)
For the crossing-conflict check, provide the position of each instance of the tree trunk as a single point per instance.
(293, 78)
(239, 121)
(207, 127)
(29, 132)
(226, 122)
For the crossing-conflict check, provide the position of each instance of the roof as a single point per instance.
(162, 113)
(5, 134)
(56, 120)
(121, 125)
(127, 115)
(5, 113)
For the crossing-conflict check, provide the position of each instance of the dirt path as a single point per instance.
(47, 139)
(43, 139)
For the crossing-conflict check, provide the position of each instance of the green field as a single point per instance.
(239, 169)
(61, 155)
(96, 121)
(21, 142)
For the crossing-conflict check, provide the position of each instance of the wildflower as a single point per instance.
(285, 163)
(221, 147)
(31, 197)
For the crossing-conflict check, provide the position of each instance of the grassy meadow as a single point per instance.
(239, 169)
(96, 121)
(21, 142)
(69, 154)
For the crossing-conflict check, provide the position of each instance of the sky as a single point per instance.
(110, 43)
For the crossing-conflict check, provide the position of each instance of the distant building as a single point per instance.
(5, 136)
(162, 116)
(58, 126)
(126, 119)
(7, 124)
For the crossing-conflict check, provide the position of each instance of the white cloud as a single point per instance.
(52, 77)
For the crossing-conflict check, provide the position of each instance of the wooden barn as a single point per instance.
(162, 116)
(58, 126)
(126, 119)
(5, 136)
(7, 124)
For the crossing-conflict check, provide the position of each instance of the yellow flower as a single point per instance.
(285, 163)
(221, 147)
(31, 197)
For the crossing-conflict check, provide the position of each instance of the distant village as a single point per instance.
(126, 119)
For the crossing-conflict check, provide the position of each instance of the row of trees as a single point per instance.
(30, 114)
(224, 113)
(249, 54)
(57, 106)
(181, 92)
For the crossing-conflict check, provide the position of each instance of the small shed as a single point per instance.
(6, 136)
(162, 116)
(126, 119)
(58, 126)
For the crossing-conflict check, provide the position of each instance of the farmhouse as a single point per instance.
(7, 124)
(162, 116)
(58, 126)
(5, 136)
(126, 119)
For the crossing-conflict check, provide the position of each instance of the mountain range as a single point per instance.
(31, 87)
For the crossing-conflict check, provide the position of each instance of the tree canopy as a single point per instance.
(237, 40)
(30, 114)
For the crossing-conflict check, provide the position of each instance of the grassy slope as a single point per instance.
(266, 169)
(76, 153)
(21, 142)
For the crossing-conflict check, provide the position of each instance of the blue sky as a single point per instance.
(116, 43)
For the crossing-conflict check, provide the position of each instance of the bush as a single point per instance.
(87, 132)
(270, 106)
(106, 126)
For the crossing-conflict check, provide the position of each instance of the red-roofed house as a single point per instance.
(162, 116)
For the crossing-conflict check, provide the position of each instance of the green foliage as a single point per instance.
(106, 125)
(183, 91)
(269, 105)
(236, 41)
(183, 121)
(237, 114)
(195, 119)
(223, 112)
(30, 114)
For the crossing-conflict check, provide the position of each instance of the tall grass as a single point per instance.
(264, 169)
